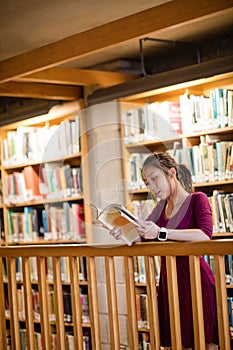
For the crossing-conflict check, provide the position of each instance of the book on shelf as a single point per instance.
(32, 182)
(117, 215)
(85, 307)
(133, 170)
(144, 341)
(230, 312)
(140, 271)
(222, 204)
(142, 310)
(229, 268)
(167, 120)
(67, 307)
(70, 341)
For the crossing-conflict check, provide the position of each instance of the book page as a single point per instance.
(113, 218)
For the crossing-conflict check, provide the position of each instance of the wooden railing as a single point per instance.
(171, 250)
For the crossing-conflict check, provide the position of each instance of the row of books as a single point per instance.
(51, 305)
(144, 341)
(201, 112)
(70, 343)
(228, 261)
(62, 221)
(68, 307)
(65, 271)
(140, 271)
(153, 121)
(222, 211)
(168, 119)
(60, 180)
(29, 144)
(209, 161)
(23, 340)
(51, 181)
(142, 208)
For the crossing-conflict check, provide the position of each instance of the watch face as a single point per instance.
(162, 235)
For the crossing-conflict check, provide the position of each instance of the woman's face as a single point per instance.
(157, 182)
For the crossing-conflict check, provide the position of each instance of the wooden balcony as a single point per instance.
(8, 255)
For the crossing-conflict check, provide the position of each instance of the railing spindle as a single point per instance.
(173, 299)
(43, 297)
(112, 303)
(93, 302)
(222, 309)
(197, 305)
(28, 303)
(152, 302)
(76, 303)
(59, 305)
(13, 301)
(131, 303)
(2, 310)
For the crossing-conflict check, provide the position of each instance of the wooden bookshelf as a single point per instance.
(22, 144)
(68, 193)
(139, 138)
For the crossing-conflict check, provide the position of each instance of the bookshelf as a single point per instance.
(193, 122)
(41, 179)
(42, 202)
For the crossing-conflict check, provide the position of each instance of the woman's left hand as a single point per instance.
(148, 229)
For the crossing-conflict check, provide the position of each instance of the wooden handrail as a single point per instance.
(217, 249)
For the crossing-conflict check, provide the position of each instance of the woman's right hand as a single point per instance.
(116, 232)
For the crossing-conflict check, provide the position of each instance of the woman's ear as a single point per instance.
(172, 172)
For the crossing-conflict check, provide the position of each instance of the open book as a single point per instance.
(115, 215)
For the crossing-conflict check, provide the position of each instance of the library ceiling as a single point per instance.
(53, 51)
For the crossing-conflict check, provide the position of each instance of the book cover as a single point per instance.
(32, 181)
(115, 215)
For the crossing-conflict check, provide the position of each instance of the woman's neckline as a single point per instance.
(178, 208)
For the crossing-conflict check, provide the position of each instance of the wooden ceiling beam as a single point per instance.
(78, 77)
(171, 14)
(43, 91)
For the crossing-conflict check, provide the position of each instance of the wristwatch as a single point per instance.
(162, 236)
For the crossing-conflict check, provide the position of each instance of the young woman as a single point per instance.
(180, 215)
